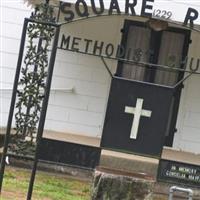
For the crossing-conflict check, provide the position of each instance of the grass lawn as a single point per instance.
(47, 186)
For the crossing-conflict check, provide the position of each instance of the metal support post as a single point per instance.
(43, 111)
(12, 105)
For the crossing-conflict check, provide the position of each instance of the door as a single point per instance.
(169, 48)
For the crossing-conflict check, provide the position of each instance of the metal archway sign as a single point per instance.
(114, 10)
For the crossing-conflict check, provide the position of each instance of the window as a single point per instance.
(168, 47)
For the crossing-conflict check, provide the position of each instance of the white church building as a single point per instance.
(81, 87)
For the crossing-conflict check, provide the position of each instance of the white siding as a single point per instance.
(83, 111)
(85, 106)
(78, 112)
(188, 136)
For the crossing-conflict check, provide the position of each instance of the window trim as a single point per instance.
(125, 31)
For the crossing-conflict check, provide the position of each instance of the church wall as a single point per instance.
(188, 136)
(82, 111)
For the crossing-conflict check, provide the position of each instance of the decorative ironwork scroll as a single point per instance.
(32, 81)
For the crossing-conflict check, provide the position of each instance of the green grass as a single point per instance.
(47, 186)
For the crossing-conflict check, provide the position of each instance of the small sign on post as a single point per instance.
(177, 172)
